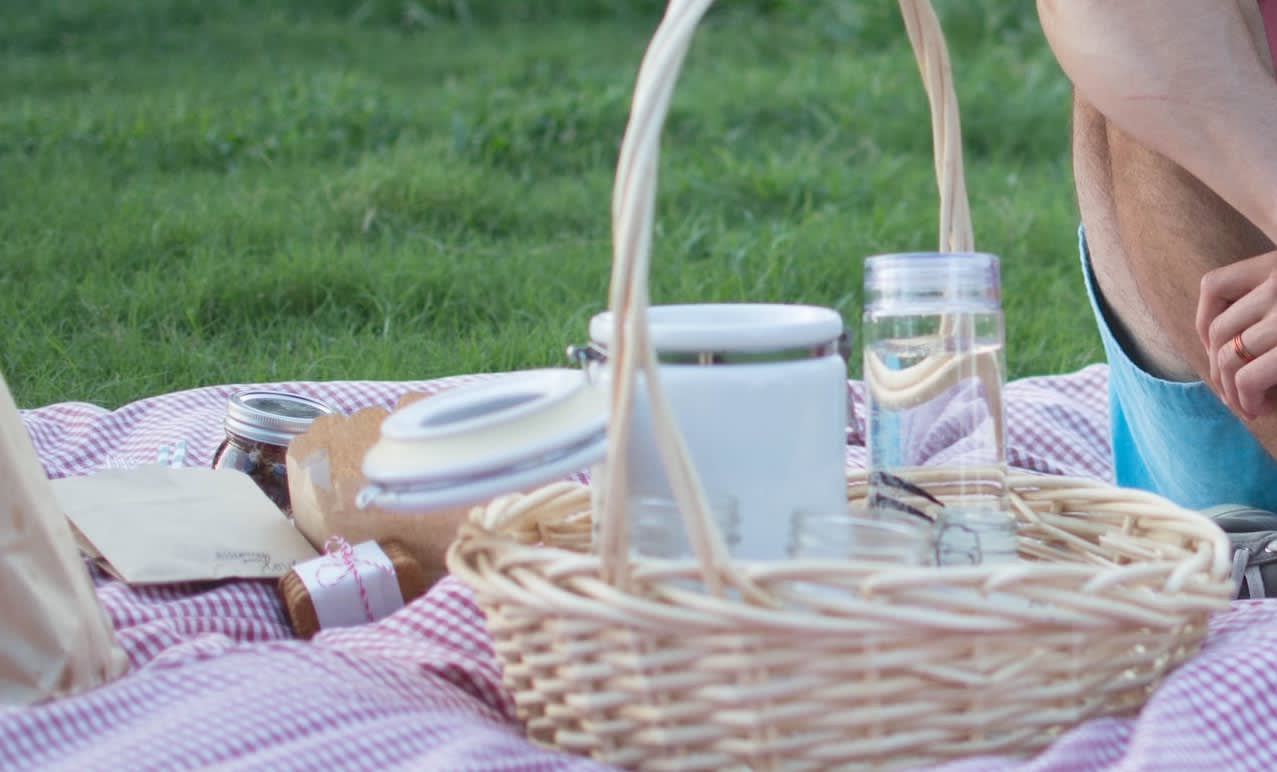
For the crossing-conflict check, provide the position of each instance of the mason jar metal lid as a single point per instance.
(273, 417)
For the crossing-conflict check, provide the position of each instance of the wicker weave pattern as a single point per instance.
(712, 664)
(905, 666)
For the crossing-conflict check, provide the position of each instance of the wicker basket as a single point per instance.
(896, 668)
(803, 664)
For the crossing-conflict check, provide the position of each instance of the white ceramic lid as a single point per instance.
(475, 442)
(737, 327)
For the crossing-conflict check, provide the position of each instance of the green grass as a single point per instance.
(195, 193)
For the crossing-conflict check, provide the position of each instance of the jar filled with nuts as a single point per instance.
(259, 427)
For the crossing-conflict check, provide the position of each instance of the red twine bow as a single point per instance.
(341, 558)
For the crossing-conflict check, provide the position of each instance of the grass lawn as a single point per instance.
(202, 192)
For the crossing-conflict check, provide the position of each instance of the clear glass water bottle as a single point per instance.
(934, 371)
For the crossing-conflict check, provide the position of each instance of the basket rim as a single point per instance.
(1155, 593)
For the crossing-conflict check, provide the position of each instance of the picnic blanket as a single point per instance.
(217, 679)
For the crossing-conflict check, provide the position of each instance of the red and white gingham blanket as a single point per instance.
(218, 679)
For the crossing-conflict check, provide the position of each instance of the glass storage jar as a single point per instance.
(259, 427)
(759, 391)
(934, 369)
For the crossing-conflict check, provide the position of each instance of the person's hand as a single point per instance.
(1237, 322)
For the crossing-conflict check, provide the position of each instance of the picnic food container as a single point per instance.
(810, 663)
(470, 444)
(759, 391)
(326, 479)
(259, 427)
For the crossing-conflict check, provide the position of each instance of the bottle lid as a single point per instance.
(731, 327)
(929, 281)
(273, 417)
(475, 442)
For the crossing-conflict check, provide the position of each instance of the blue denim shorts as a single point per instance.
(1177, 439)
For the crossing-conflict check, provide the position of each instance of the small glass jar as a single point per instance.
(259, 427)
(855, 534)
(657, 528)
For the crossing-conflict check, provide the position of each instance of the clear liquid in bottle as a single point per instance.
(934, 372)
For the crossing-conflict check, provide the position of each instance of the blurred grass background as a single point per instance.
(195, 193)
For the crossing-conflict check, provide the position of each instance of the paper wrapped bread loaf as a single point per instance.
(325, 476)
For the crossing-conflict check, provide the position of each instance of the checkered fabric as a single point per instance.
(217, 679)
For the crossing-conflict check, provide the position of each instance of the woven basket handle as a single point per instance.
(633, 202)
(927, 39)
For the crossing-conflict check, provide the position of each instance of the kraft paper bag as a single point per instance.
(325, 476)
(55, 639)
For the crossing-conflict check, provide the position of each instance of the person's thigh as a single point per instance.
(1170, 231)
(1175, 438)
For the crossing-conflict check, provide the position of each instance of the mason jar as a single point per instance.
(259, 427)
(934, 370)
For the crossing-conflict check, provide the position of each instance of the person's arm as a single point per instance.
(1187, 78)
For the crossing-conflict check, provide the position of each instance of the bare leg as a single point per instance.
(1154, 230)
